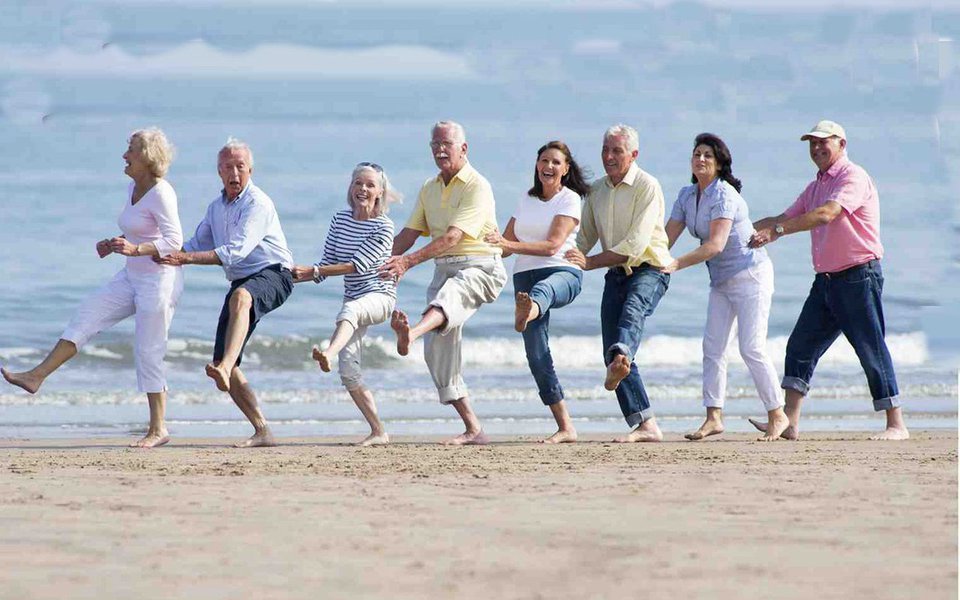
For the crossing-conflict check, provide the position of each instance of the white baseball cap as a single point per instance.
(825, 129)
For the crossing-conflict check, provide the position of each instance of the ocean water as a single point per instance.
(317, 87)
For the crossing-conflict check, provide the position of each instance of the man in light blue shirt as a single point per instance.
(241, 232)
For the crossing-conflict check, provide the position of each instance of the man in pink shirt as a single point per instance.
(841, 210)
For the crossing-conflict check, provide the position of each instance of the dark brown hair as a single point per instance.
(575, 179)
(724, 160)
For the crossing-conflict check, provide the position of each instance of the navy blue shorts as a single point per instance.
(269, 288)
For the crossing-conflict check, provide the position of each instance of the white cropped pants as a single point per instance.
(745, 299)
(151, 297)
(361, 313)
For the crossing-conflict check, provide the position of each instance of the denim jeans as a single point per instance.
(550, 287)
(848, 303)
(627, 302)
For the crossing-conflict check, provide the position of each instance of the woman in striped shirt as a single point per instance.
(358, 243)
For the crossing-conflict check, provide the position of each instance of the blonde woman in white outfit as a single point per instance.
(143, 289)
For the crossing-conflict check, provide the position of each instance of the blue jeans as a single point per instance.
(627, 302)
(847, 302)
(550, 287)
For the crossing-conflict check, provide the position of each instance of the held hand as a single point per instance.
(301, 273)
(576, 257)
(394, 268)
(122, 246)
(103, 248)
(671, 268)
(762, 237)
(765, 223)
(174, 259)
(493, 238)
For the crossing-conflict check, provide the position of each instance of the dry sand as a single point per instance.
(832, 516)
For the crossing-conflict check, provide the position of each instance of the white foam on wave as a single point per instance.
(266, 61)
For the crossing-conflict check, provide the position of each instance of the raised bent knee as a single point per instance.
(240, 299)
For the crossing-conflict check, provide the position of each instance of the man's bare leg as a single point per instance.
(896, 429)
(246, 401)
(712, 425)
(237, 327)
(565, 431)
(31, 380)
(648, 431)
(341, 335)
(363, 398)
(157, 434)
(617, 371)
(777, 423)
(792, 410)
(473, 434)
(406, 335)
(526, 310)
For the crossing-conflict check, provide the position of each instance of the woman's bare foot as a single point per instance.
(375, 439)
(648, 431)
(153, 439)
(616, 372)
(322, 359)
(526, 310)
(562, 436)
(709, 427)
(468, 438)
(25, 380)
(219, 376)
(260, 439)
(400, 325)
(790, 432)
(892, 434)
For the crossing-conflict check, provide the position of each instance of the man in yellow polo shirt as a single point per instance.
(625, 211)
(456, 209)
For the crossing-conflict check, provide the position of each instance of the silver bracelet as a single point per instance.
(316, 273)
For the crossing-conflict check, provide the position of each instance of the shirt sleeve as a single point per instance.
(247, 235)
(328, 258)
(374, 250)
(202, 239)
(168, 222)
(851, 191)
(725, 206)
(475, 205)
(588, 235)
(647, 214)
(570, 207)
(799, 205)
(418, 220)
(678, 213)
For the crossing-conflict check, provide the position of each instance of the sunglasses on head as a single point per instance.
(371, 165)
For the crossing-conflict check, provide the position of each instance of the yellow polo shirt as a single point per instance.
(466, 203)
(627, 219)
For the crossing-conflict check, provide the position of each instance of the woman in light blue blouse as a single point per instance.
(741, 279)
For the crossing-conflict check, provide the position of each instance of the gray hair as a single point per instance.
(625, 131)
(155, 148)
(459, 134)
(236, 144)
(382, 204)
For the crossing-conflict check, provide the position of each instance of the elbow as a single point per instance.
(552, 249)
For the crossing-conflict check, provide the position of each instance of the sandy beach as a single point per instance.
(832, 516)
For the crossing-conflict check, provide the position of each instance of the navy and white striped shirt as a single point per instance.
(365, 244)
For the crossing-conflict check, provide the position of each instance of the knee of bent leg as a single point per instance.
(240, 299)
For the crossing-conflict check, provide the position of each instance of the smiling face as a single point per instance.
(704, 165)
(449, 152)
(233, 165)
(136, 164)
(552, 166)
(365, 191)
(617, 157)
(825, 151)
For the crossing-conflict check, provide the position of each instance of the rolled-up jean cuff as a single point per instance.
(886, 403)
(615, 349)
(452, 393)
(552, 396)
(639, 417)
(795, 383)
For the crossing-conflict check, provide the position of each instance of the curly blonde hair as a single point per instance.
(155, 148)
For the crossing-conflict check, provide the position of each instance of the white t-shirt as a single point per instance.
(533, 218)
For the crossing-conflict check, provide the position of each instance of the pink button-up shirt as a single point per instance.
(853, 238)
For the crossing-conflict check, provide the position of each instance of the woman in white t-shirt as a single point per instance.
(142, 288)
(542, 229)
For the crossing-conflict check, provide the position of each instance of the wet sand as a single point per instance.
(831, 516)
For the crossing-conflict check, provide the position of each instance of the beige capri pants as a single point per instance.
(362, 312)
(461, 284)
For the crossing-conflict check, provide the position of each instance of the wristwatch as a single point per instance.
(316, 273)
(778, 229)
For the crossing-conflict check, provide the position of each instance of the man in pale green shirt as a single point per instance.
(625, 212)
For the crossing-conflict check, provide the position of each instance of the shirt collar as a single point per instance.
(835, 168)
(630, 178)
(243, 192)
(465, 174)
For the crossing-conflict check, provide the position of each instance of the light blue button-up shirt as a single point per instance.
(719, 201)
(244, 232)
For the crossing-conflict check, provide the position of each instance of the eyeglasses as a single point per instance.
(371, 165)
(441, 145)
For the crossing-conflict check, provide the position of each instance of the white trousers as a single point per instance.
(745, 299)
(371, 309)
(151, 297)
